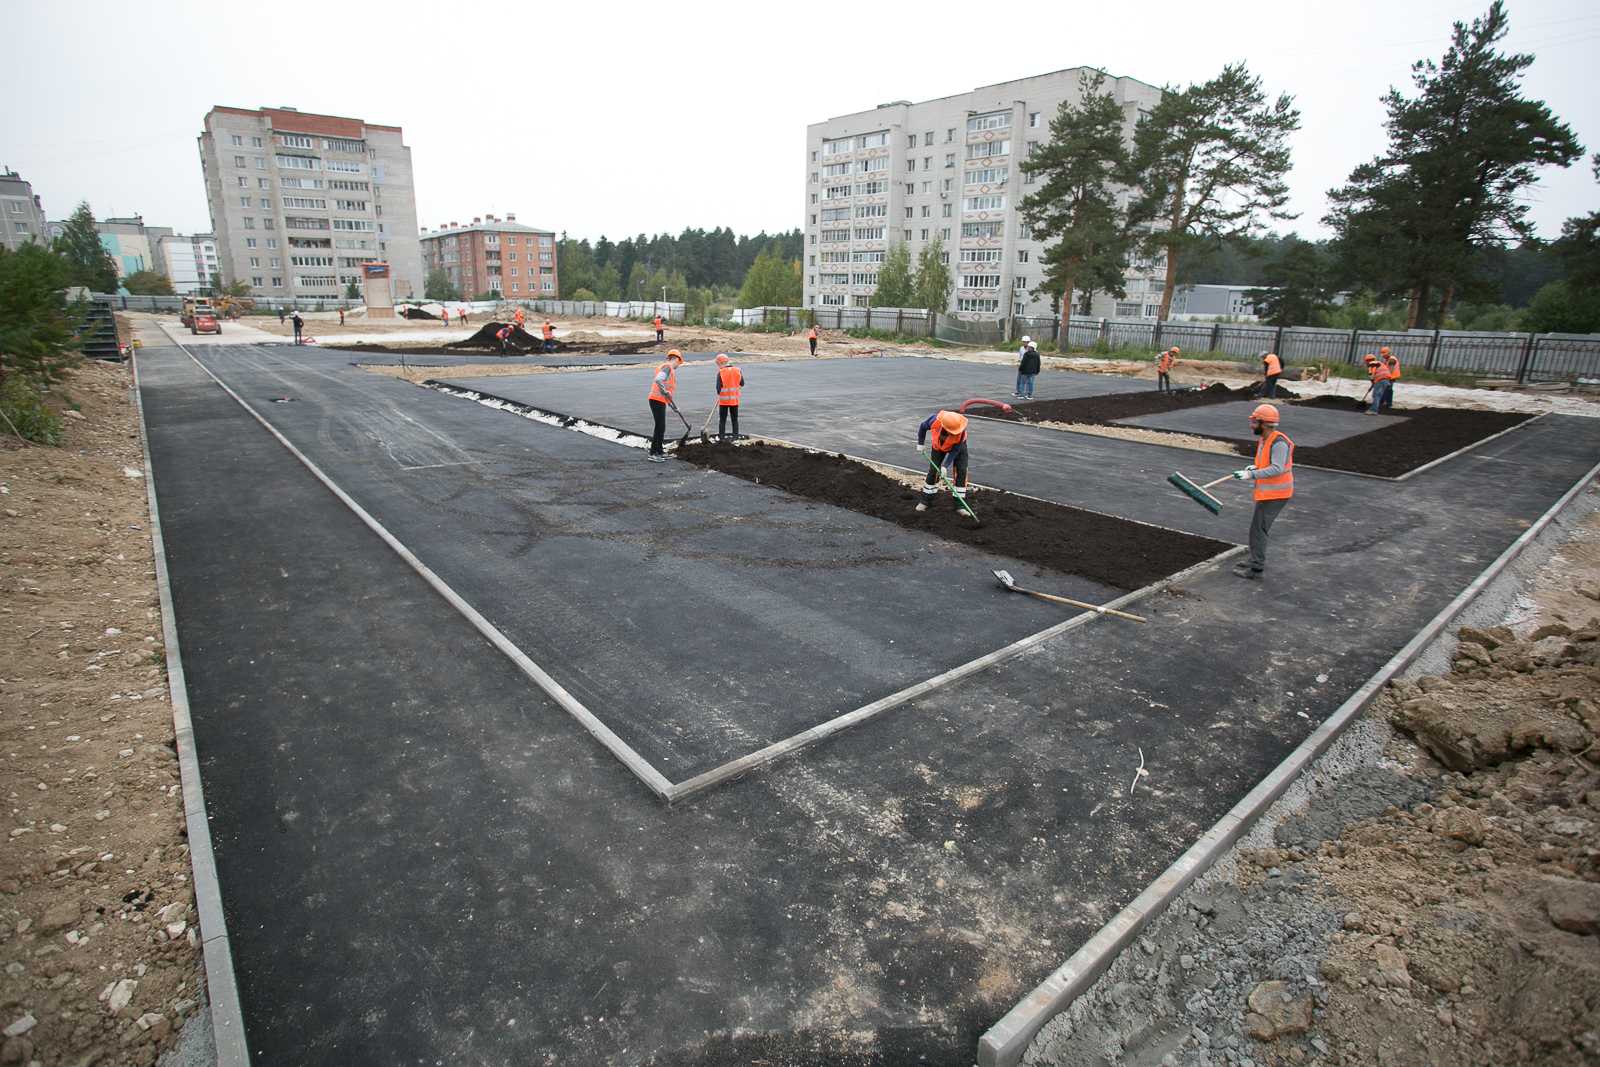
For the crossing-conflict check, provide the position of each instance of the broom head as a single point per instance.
(1201, 497)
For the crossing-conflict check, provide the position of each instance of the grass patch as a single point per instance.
(25, 414)
(894, 338)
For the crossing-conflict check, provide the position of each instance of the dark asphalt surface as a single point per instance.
(1312, 427)
(424, 860)
(554, 359)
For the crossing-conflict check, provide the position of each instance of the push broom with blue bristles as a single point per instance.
(1198, 492)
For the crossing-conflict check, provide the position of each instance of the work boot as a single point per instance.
(656, 457)
(1248, 574)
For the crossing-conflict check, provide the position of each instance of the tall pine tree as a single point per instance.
(88, 262)
(1410, 222)
(1210, 164)
(1076, 205)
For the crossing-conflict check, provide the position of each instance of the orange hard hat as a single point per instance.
(673, 353)
(722, 359)
(1264, 413)
(1369, 358)
(1176, 349)
(952, 421)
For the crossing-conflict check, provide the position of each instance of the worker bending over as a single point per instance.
(1391, 361)
(1271, 371)
(730, 380)
(1378, 371)
(662, 389)
(949, 433)
(1272, 478)
(1164, 365)
(503, 335)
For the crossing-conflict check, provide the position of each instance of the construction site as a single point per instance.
(511, 747)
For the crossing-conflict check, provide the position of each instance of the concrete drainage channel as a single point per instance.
(1006, 1043)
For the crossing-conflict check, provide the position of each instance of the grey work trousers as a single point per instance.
(1266, 514)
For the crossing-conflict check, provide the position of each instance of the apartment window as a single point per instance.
(833, 300)
(262, 183)
(873, 165)
(911, 163)
(835, 214)
(277, 281)
(294, 140)
(344, 167)
(813, 261)
(334, 144)
(249, 242)
(238, 161)
(1152, 310)
(255, 142)
(911, 142)
(1128, 311)
(907, 234)
(255, 261)
(353, 224)
(244, 201)
(255, 280)
(980, 255)
(987, 149)
(980, 281)
(835, 147)
(927, 187)
(949, 135)
(835, 192)
(985, 176)
(835, 170)
(350, 205)
(864, 279)
(272, 242)
(513, 272)
(298, 162)
(1032, 149)
(1019, 282)
(872, 211)
(994, 120)
(911, 212)
(927, 211)
(261, 163)
(924, 235)
(944, 257)
(813, 177)
(911, 188)
(268, 224)
(305, 201)
(237, 140)
(813, 219)
(867, 257)
(869, 233)
(266, 204)
(927, 162)
(871, 188)
(946, 210)
(346, 184)
(993, 202)
(274, 262)
(244, 183)
(984, 304)
(813, 156)
(947, 183)
(834, 236)
(875, 140)
(1033, 119)
(927, 138)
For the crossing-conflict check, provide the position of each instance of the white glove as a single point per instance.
(1245, 474)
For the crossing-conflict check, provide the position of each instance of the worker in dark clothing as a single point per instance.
(811, 335)
(730, 383)
(949, 439)
(299, 325)
(1027, 369)
(1272, 481)
(662, 388)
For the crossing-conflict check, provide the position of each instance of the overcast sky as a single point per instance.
(616, 120)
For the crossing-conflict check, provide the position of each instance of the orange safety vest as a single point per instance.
(1280, 486)
(1274, 364)
(658, 322)
(549, 331)
(729, 379)
(1378, 372)
(1166, 362)
(943, 441)
(812, 333)
(519, 317)
(671, 383)
(1394, 368)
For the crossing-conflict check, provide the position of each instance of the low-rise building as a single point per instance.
(22, 218)
(495, 255)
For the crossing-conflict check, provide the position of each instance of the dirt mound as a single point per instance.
(417, 313)
(1108, 409)
(1426, 435)
(1104, 549)
(486, 338)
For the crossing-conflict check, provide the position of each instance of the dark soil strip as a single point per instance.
(1115, 552)
(1108, 409)
(1426, 435)
(569, 348)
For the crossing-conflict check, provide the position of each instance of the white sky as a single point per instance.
(617, 119)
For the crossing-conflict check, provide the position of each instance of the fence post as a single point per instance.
(1525, 364)
(899, 320)
(1155, 337)
(1104, 336)
(1350, 354)
(1277, 342)
(1216, 337)
(1433, 351)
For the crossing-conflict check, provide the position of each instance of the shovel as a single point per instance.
(686, 430)
(705, 438)
(960, 497)
(1007, 581)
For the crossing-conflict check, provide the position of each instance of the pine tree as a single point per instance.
(1210, 164)
(88, 262)
(933, 280)
(1299, 290)
(439, 286)
(896, 288)
(1411, 222)
(35, 328)
(1075, 207)
(1579, 245)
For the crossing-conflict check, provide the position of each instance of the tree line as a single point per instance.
(1431, 230)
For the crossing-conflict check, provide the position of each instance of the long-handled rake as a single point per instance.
(961, 498)
(1011, 584)
(1198, 492)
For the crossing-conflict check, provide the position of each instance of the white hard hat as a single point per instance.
(1027, 340)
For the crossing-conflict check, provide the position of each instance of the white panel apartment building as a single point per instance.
(22, 218)
(189, 261)
(948, 169)
(300, 201)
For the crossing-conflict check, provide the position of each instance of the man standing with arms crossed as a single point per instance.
(1272, 479)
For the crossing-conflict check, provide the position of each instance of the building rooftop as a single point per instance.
(486, 223)
(293, 120)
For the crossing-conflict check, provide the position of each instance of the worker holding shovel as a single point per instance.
(1272, 479)
(662, 388)
(949, 439)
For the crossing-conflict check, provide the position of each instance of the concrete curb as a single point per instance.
(222, 990)
(1004, 1044)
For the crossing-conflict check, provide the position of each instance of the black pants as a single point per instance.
(724, 413)
(1269, 387)
(1163, 382)
(1261, 521)
(960, 454)
(658, 411)
(813, 341)
(661, 335)
(297, 333)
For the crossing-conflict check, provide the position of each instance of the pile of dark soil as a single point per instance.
(1115, 552)
(1426, 435)
(417, 313)
(585, 348)
(1104, 410)
(485, 338)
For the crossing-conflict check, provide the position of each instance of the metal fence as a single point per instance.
(1526, 357)
(911, 321)
(621, 309)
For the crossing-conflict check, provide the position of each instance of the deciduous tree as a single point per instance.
(439, 286)
(934, 280)
(1299, 291)
(896, 287)
(148, 283)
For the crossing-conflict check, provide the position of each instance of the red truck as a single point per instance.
(200, 318)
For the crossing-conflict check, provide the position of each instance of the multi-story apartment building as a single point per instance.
(21, 214)
(498, 255)
(190, 262)
(128, 241)
(300, 201)
(947, 169)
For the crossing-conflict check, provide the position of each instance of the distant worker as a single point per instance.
(549, 336)
(811, 336)
(1272, 479)
(1271, 371)
(281, 314)
(1027, 368)
(730, 383)
(949, 433)
(520, 317)
(461, 315)
(299, 325)
(1378, 371)
(341, 316)
(661, 330)
(1164, 364)
(503, 335)
(1393, 363)
(662, 388)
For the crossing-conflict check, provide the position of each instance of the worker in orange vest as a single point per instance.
(811, 335)
(661, 333)
(1272, 479)
(948, 430)
(662, 388)
(461, 314)
(520, 318)
(1378, 371)
(503, 335)
(1271, 370)
(1164, 369)
(1393, 363)
(730, 383)
(549, 336)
